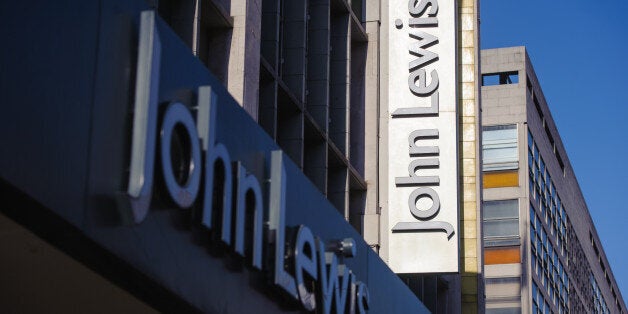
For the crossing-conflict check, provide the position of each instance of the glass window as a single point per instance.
(505, 228)
(504, 310)
(532, 217)
(501, 78)
(499, 147)
(501, 222)
(501, 209)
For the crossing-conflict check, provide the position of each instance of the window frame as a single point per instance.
(506, 144)
(504, 239)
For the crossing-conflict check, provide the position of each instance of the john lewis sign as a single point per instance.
(306, 268)
(422, 137)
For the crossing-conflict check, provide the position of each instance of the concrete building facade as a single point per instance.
(542, 252)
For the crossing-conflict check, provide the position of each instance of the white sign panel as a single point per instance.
(422, 137)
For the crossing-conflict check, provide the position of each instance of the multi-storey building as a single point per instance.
(542, 252)
(321, 77)
(318, 79)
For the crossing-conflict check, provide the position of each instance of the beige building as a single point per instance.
(542, 253)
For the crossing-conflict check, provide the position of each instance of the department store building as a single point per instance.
(261, 156)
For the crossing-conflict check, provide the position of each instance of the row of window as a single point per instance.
(546, 258)
(547, 266)
(599, 304)
(552, 212)
(548, 133)
(539, 304)
(603, 266)
(501, 217)
(544, 193)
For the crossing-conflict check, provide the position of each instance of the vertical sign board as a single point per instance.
(422, 137)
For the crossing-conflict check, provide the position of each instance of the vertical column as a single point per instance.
(339, 80)
(294, 46)
(370, 220)
(268, 103)
(181, 16)
(244, 66)
(471, 242)
(317, 95)
(270, 44)
(270, 52)
(315, 160)
(318, 62)
(338, 176)
(290, 127)
(357, 104)
(357, 114)
(338, 184)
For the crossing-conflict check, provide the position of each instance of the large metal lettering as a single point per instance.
(246, 184)
(304, 264)
(277, 205)
(178, 115)
(422, 137)
(417, 77)
(140, 186)
(313, 261)
(331, 288)
(422, 192)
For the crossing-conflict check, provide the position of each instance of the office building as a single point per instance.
(148, 150)
(542, 251)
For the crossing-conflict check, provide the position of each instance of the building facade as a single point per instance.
(218, 88)
(542, 252)
(322, 78)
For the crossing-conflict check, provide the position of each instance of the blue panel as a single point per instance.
(46, 81)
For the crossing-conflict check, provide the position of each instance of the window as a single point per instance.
(503, 295)
(499, 147)
(506, 310)
(502, 78)
(501, 223)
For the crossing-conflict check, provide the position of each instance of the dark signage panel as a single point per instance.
(114, 126)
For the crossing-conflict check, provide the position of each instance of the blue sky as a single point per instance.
(579, 50)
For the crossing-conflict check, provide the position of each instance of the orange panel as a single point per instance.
(506, 255)
(501, 179)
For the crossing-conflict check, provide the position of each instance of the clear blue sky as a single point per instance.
(579, 50)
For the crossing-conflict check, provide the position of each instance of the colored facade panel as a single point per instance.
(507, 255)
(500, 179)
